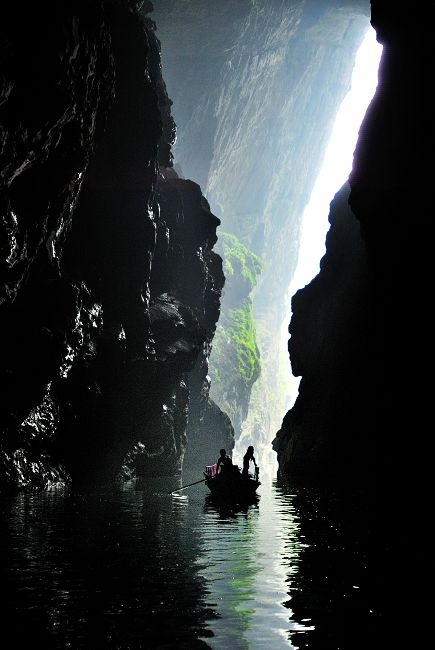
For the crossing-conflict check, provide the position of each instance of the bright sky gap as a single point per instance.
(338, 160)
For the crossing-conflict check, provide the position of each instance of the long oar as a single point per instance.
(185, 486)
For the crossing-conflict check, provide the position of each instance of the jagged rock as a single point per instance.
(187, 266)
(374, 425)
(320, 438)
(215, 431)
(57, 69)
(111, 289)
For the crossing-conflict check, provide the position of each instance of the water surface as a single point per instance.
(136, 567)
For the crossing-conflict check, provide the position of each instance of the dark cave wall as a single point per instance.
(374, 429)
(365, 394)
(57, 83)
(391, 197)
(110, 288)
(329, 348)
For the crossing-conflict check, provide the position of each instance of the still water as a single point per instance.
(136, 567)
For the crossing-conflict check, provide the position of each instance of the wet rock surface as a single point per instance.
(110, 288)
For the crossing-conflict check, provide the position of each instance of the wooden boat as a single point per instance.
(228, 507)
(233, 486)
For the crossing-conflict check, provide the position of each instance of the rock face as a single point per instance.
(361, 332)
(391, 198)
(329, 340)
(355, 325)
(57, 82)
(253, 128)
(186, 267)
(110, 289)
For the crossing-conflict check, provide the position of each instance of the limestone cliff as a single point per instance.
(110, 288)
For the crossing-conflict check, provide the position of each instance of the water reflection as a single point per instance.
(227, 509)
(332, 588)
(248, 554)
(140, 568)
(110, 570)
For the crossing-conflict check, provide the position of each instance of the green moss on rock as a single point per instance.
(235, 360)
(241, 266)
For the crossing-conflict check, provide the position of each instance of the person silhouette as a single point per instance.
(247, 458)
(225, 463)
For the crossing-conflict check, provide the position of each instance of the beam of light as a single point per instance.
(335, 170)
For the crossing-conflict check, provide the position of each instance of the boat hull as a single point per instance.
(232, 487)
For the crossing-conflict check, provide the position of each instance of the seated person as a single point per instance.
(224, 463)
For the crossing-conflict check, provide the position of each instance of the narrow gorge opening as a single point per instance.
(335, 169)
(266, 123)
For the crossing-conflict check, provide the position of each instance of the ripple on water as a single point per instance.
(135, 568)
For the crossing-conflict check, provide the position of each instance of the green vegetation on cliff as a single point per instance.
(240, 264)
(235, 355)
(235, 360)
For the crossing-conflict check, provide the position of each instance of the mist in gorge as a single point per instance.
(270, 140)
(335, 169)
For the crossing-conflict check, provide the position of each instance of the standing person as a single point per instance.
(225, 463)
(247, 458)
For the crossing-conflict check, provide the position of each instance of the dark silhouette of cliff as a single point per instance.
(110, 289)
(359, 323)
(361, 332)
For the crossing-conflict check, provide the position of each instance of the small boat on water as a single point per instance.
(232, 485)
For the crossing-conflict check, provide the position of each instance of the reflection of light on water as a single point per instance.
(248, 559)
(278, 538)
(179, 497)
